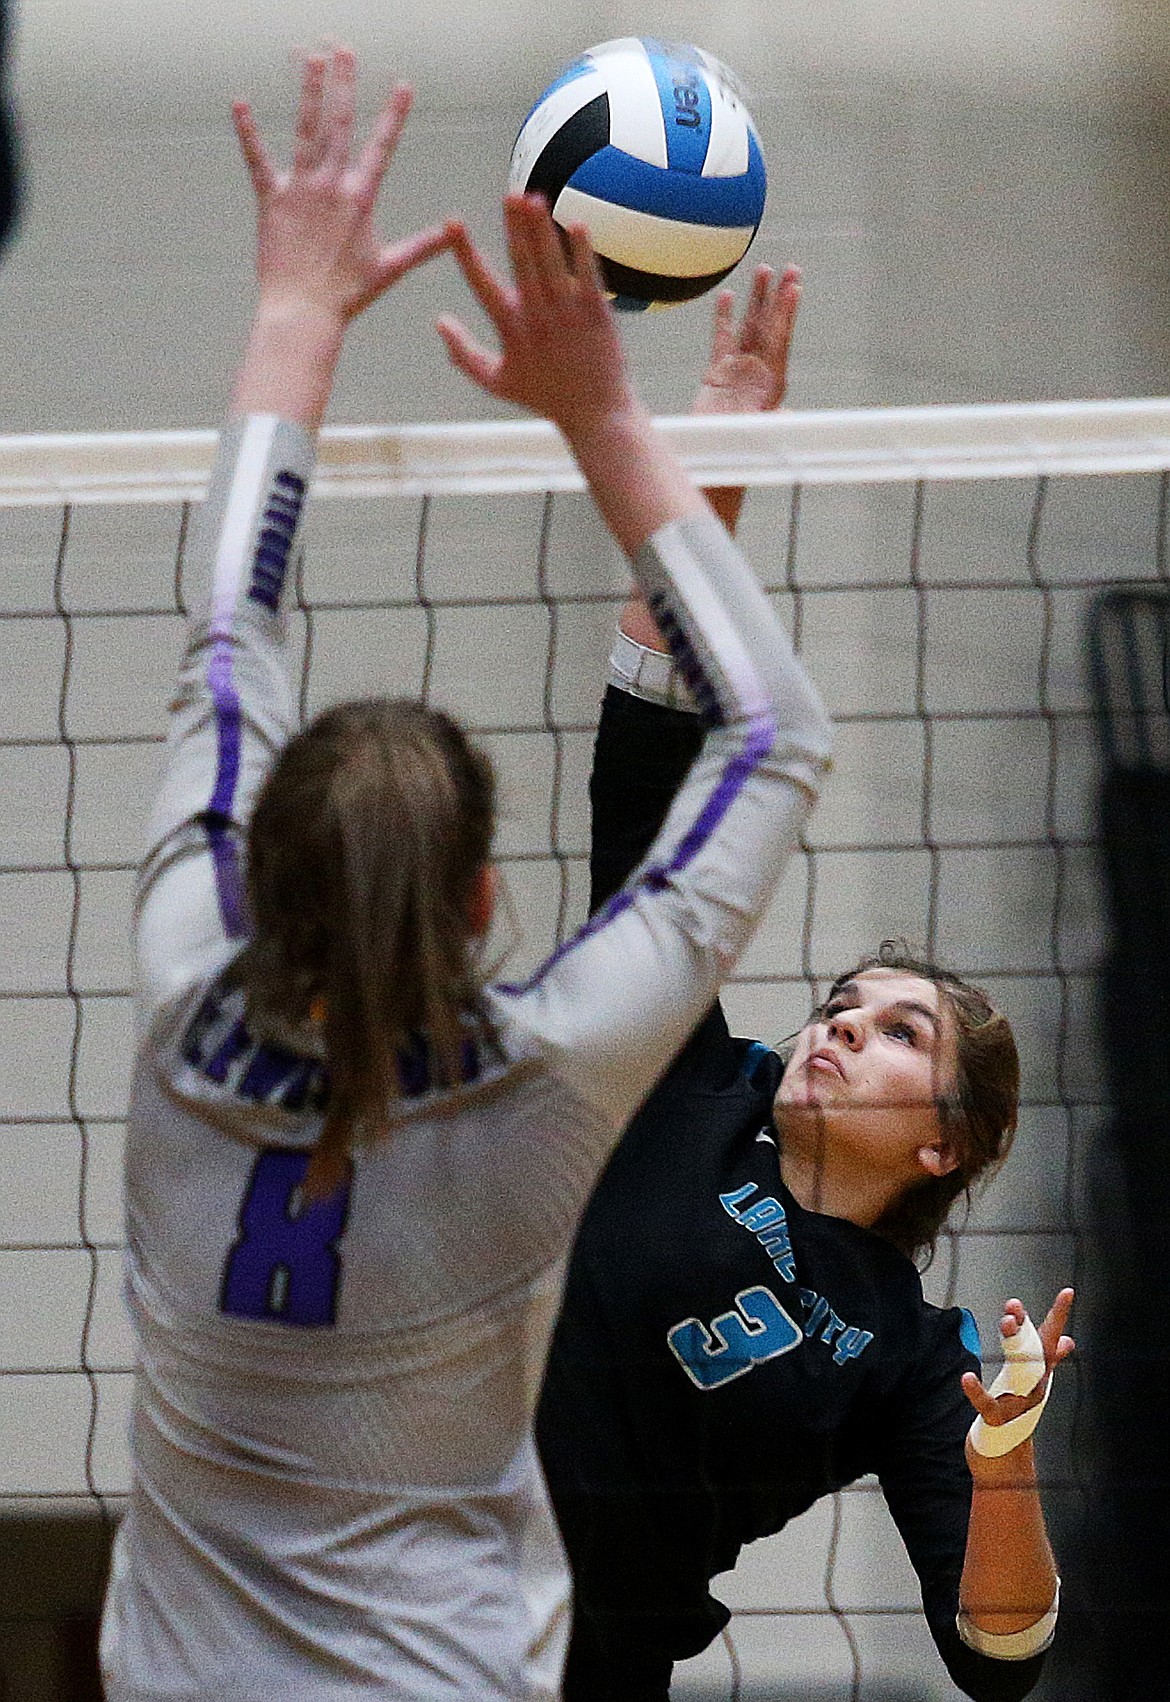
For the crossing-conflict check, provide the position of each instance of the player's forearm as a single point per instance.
(636, 620)
(635, 480)
(1009, 1577)
(289, 361)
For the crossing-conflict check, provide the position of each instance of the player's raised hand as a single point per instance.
(748, 369)
(560, 353)
(317, 243)
(999, 1409)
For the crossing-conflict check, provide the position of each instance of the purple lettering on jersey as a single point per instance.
(285, 1267)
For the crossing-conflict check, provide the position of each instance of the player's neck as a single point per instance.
(833, 1183)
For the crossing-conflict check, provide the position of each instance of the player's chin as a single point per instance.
(810, 1091)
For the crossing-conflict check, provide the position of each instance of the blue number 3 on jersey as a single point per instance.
(757, 1330)
(284, 1266)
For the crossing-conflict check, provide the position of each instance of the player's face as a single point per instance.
(869, 1070)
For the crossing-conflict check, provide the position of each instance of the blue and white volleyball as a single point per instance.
(650, 146)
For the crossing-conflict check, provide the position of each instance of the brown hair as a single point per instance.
(977, 1114)
(363, 853)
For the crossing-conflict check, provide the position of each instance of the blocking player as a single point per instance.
(354, 1169)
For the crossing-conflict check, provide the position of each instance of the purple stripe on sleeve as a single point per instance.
(229, 883)
(227, 726)
(220, 836)
(761, 736)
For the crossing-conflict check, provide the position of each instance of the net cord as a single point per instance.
(870, 445)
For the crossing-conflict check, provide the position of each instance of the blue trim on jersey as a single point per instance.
(757, 1056)
(578, 68)
(655, 877)
(685, 99)
(969, 1334)
(279, 528)
(617, 177)
(628, 304)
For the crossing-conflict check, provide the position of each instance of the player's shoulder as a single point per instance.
(949, 1336)
(929, 1332)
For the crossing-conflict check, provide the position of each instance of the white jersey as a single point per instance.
(335, 1491)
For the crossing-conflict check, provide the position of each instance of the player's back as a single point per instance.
(335, 1484)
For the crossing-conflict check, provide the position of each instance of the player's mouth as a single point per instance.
(825, 1061)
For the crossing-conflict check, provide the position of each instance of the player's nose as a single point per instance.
(849, 1028)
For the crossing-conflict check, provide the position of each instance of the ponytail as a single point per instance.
(368, 840)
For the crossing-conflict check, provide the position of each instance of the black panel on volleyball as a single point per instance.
(577, 140)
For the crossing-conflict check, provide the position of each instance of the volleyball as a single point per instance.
(650, 146)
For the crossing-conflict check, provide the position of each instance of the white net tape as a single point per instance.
(843, 446)
(935, 566)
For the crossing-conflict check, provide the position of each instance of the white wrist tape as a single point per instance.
(1012, 1645)
(1023, 1368)
(649, 674)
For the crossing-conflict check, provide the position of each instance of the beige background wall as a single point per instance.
(977, 194)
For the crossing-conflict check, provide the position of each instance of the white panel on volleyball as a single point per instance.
(727, 145)
(649, 243)
(636, 123)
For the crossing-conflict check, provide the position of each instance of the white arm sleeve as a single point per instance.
(231, 712)
(612, 1007)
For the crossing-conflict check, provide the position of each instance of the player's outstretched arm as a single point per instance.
(618, 1001)
(320, 261)
(1009, 1585)
(746, 373)
(560, 355)
(642, 756)
(319, 258)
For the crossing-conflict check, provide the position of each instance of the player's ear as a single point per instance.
(937, 1159)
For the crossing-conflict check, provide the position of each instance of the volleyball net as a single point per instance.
(935, 567)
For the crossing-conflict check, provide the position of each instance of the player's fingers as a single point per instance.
(723, 329)
(339, 105)
(487, 286)
(471, 358)
(781, 323)
(260, 167)
(525, 268)
(755, 314)
(550, 270)
(375, 157)
(401, 257)
(309, 134)
(1052, 1329)
(585, 267)
(980, 1399)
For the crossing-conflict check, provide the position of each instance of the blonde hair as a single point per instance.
(363, 854)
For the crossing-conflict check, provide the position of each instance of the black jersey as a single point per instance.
(723, 1357)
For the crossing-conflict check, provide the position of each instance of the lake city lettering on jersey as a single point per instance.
(768, 1222)
(759, 1328)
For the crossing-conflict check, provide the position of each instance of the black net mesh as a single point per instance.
(943, 621)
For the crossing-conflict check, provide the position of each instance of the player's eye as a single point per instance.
(903, 1031)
